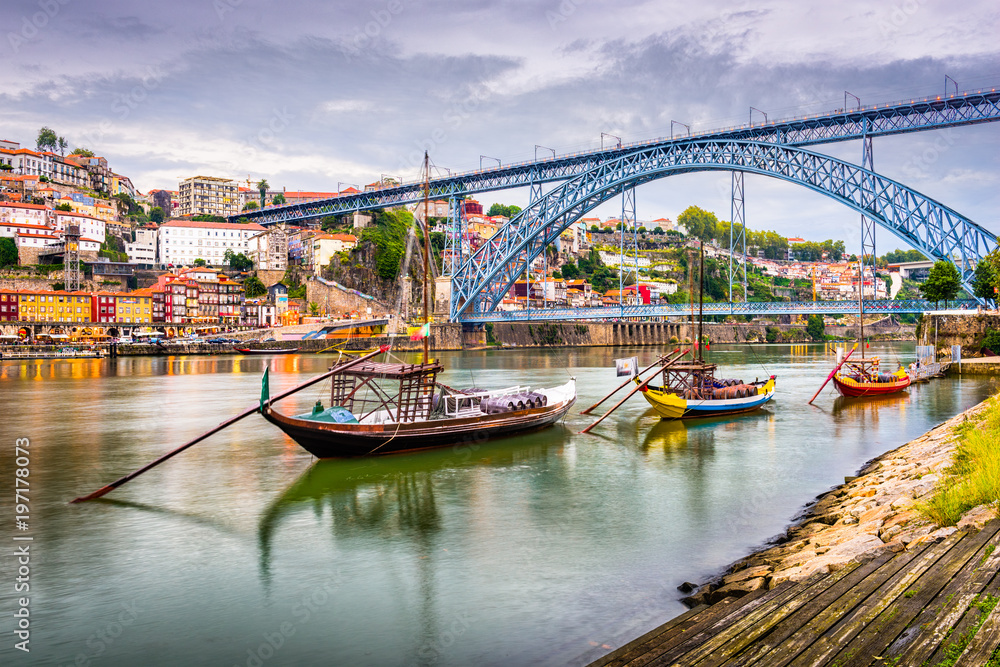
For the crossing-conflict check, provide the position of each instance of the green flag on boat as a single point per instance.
(265, 392)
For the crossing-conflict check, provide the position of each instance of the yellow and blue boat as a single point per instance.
(690, 390)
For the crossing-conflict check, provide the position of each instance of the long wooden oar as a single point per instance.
(246, 413)
(629, 395)
(622, 385)
(832, 373)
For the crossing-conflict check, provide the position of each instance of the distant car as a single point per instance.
(124, 340)
(270, 340)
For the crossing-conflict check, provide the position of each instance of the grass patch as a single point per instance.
(986, 554)
(974, 477)
(954, 650)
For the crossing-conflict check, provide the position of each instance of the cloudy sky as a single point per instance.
(316, 96)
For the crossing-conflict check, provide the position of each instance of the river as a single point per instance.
(550, 548)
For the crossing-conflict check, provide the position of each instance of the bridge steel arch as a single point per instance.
(937, 231)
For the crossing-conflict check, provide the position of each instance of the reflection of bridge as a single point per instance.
(752, 309)
(775, 148)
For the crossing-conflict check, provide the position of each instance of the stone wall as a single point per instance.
(11, 283)
(965, 330)
(270, 277)
(336, 301)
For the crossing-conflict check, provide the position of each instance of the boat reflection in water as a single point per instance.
(674, 436)
(393, 496)
(843, 406)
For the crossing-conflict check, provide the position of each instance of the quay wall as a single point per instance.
(609, 334)
(967, 330)
(870, 514)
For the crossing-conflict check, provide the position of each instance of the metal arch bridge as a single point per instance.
(932, 228)
(981, 106)
(750, 309)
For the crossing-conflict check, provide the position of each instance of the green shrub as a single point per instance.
(992, 341)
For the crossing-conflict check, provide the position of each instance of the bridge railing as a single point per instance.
(751, 309)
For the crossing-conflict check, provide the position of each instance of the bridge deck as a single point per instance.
(917, 607)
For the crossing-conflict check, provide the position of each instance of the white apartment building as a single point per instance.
(143, 249)
(179, 242)
(208, 195)
(15, 213)
(90, 226)
(24, 160)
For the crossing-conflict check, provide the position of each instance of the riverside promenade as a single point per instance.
(862, 579)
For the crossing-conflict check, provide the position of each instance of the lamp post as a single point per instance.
(606, 134)
(537, 146)
(487, 157)
(677, 122)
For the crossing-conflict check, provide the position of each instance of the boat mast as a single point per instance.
(427, 242)
(861, 305)
(701, 300)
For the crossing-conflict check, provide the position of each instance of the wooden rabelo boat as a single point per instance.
(690, 389)
(863, 377)
(382, 408)
(264, 350)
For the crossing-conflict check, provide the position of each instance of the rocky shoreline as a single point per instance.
(866, 516)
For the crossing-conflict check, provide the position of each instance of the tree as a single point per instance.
(329, 223)
(62, 145)
(250, 206)
(942, 284)
(658, 231)
(208, 217)
(47, 139)
(815, 327)
(83, 152)
(156, 214)
(506, 210)
(8, 252)
(262, 186)
(698, 223)
(279, 199)
(984, 282)
(237, 261)
(557, 274)
(64, 207)
(594, 229)
(200, 262)
(570, 271)
(253, 287)
(313, 308)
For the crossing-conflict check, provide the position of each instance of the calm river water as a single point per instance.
(545, 549)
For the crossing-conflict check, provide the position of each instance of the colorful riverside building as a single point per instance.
(196, 296)
(8, 306)
(135, 307)
(53, 306)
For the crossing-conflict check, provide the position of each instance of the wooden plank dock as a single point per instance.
(936, 604)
